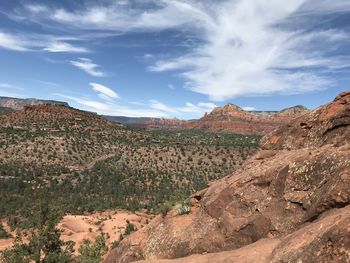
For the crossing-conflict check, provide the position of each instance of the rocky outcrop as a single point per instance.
(328, 124)
(18, 104)
(288, 203)
(325, 240)
(232, 118)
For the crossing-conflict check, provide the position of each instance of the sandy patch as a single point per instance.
(79, 227)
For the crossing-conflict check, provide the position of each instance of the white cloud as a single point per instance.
(24, 42)
(104, 92)
(88, 66)
(12, 42)
(162, 107)
(65, 47)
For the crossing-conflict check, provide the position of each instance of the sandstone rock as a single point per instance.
(328, 124)
(323, 241)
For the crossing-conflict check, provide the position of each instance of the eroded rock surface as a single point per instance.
(292, 196)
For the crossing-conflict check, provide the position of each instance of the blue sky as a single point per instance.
(175, 58)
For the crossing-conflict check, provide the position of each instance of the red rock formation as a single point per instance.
(232, 118)
(288, 203)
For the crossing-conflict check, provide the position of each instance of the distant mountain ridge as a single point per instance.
(229, 118)
(18, 104)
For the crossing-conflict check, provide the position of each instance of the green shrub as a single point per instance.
(92, 252)
(3, 233)
(184, 209)
(130, 227)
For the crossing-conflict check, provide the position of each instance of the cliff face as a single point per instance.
(18, 104)
(232, 118)
(288, 203)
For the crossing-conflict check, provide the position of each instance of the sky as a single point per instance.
(175, 58)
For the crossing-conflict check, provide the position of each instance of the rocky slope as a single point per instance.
(288, 203)
(232, 118)
(18, 104)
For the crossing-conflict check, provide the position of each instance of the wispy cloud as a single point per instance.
(171, 86)
(88, 66)
(104, 92)
(46, 83)
(9, 90)
(64, 47)
(196, 110)
(25, 42)
(12, 42)
(154, 104)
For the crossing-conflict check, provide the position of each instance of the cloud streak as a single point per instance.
(25, 43)
(88, 66)
(104, 92)
(193, 109)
